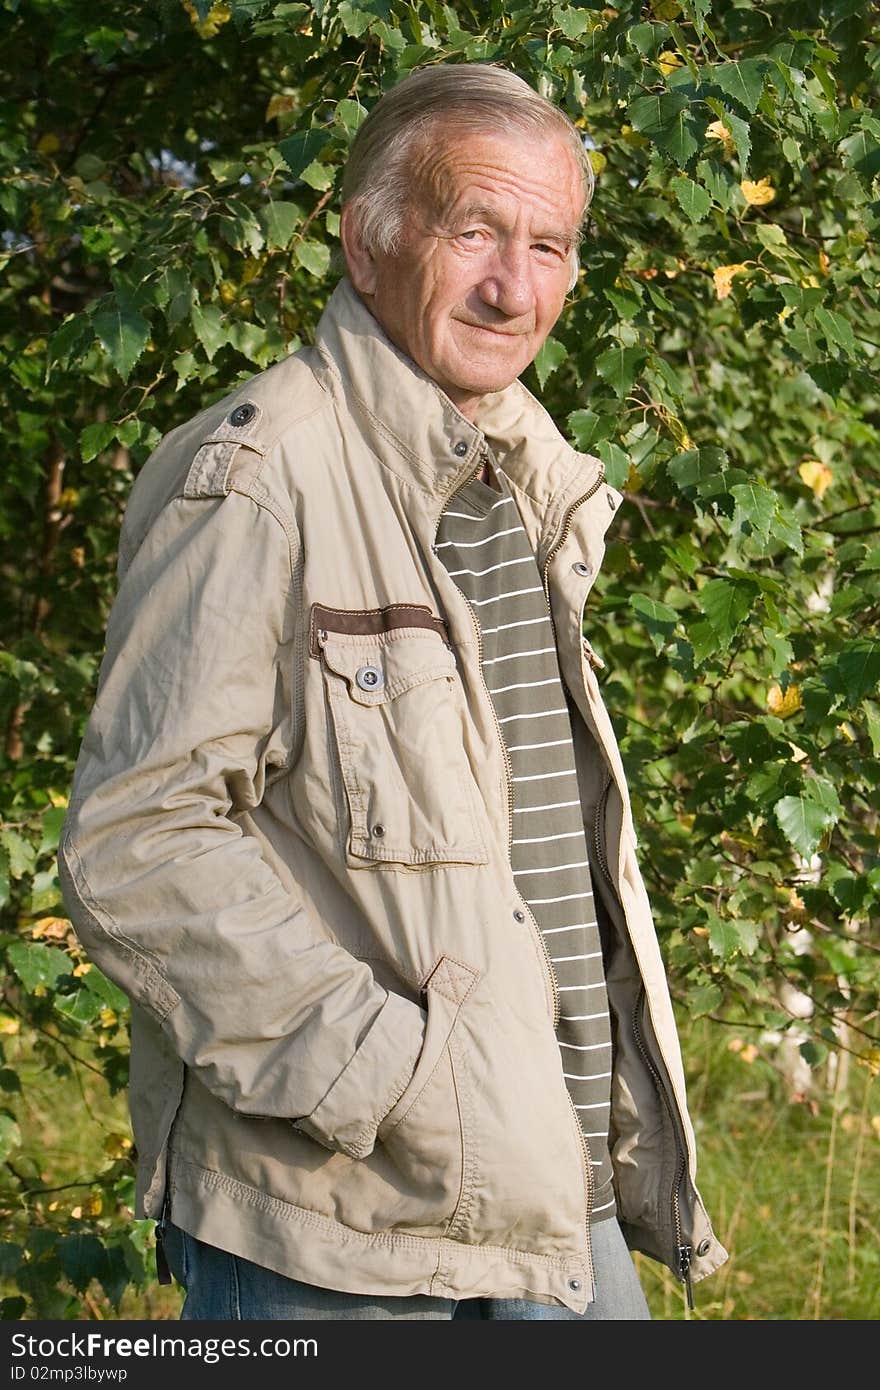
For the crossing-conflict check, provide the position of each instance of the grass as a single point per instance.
(792, 1186)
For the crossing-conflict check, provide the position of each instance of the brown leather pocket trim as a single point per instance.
(371, 622)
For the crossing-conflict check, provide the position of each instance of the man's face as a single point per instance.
(483, 266)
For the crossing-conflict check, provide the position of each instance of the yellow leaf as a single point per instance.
(846, 731)
(94, 1205)
(48, 144)
(108, 1017)
(718, 131)
(217, 16)
(810, 282)
(597, 161)
(280, 104)
(58, 799)
(54, 928)
(723, 277)
(824, 262)
(817, 476)
(784, 312)
(9, 1026)
(82, 969)
(757, 194)
(784, 705)
(668, 62)
(76, 1213)
(117, 1145)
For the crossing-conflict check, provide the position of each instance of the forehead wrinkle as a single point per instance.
(445, 175)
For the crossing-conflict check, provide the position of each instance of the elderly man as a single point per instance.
(350, 824)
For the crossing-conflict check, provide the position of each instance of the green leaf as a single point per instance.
(726, 603)
(658, 618)
(211, 332)
(549, 359)
(37, 965)
(620, 366)
(617, 462)
(588, 428)
(280, 223)
(351, 114)
(315, 256)
(837, 330)
(666, 118)
(82, 1259)
(694, 199)
(696, 466)
(10, 1137)
(729, 938)
(319, 176)
(647, 38)
(856, 669)
(756, 505)
(743, 80)
(95, 438)
(300, 149)
(861, 152)
(803, 822)
(96, 983)
(703, 1000)
(20, 851)
(122, 330)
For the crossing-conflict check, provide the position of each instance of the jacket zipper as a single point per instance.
(483, 458)
(562, 537)
(682, 1249)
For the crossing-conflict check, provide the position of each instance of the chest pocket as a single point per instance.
(396, 708)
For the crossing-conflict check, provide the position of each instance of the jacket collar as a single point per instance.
(414, 427)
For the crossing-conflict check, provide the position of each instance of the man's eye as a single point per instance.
(470, 235)
(545, 248)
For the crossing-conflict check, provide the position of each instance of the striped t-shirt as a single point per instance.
(484, 547)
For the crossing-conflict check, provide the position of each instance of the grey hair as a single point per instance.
(467, 96)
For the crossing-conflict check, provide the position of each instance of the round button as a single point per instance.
(369, 678)
(518, 915)
(460, 448)
(580, 568)
(243, 414)
(378, 831)
(574, 1285)
(703, 1247)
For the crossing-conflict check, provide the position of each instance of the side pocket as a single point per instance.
(422, 1134)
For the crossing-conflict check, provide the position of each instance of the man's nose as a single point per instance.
(509, 284)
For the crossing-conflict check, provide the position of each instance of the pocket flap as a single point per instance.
(378, 671)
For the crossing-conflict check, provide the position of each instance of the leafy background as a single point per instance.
(169, 199)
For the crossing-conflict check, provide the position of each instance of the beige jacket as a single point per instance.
(289, 843)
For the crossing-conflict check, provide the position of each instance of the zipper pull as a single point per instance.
(163, 1271)
(684, 1272)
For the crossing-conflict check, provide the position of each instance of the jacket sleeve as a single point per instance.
(170, 897)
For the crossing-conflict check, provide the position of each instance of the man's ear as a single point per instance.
(361, 266)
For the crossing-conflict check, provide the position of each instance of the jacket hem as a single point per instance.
(261, 1228)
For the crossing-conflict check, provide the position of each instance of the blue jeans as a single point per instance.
(220, 1286)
